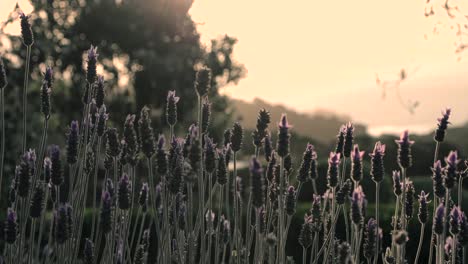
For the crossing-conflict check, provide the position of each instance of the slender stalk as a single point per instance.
(2, 123)
(460, 190)
(304, 255)
(377, 204)
(41, 225)
(31, 242)
(395, 223)
(95, 187)
(421, 239)
(281, 212)
(327, 238)
(25, 97)
(236, 222)
(431, 248)
(314, 186)
(454, 249)
(345, 215)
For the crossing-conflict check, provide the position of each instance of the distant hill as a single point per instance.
(321, 126)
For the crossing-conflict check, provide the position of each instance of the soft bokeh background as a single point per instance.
(385, 65)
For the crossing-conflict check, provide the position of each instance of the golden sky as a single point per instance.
(311, 54)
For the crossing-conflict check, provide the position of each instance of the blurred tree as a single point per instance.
(146, 48)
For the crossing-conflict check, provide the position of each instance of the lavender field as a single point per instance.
(90, 174)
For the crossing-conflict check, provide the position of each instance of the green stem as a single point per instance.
(95, 188)
(281, 212)
(460, 192)
(304, 255)
(421, 239)
(2, 124)
(377, 204)
(431, 248)
(25, 97)
(327, 238)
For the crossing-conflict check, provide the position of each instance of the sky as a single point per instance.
(312, 55)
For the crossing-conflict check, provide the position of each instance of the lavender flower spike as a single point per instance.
(171, 108)
(377, 165)
(438, 223)
(404, 150)
(442, 124)
(356, 165)
(455, 220)
(451, 172)
(333, 169)
(283, 137)
(26, 31)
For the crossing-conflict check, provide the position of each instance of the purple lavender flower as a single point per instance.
(451, 170)
(72, 142)
(306, 233)
(343, 192)
(49, 76)
(438, 223)
(409, 202)
(61, 225)
(357, 201)
(377, 164)
(397, 190)
(45, 100)
(333, 169)
(340, 139)
(11, 227)
(210, 155)
(88, 252)
(404, 150)
(237, 136)
(304, 170)
(171, 108)
(106, 213)
(282, 147)
(100, 93)
(47, 167)
(161, 156)
(263, 119)
(124, 192)
(92, 61)
(290, 202)
(463, 236)
(370, 240)
(438, 180)
(24, 172)
(143, 197)
(257, 183)
(356, 164)
(112, 142)
(102, 120)
(442, 124)
(423, 213)
(455, 220)
(348, 141)
(26, 31)
(203, 81)
(130, 137)
(146, 133)
(37, 202)
(222, 169)
(206, 115)
(448, 246)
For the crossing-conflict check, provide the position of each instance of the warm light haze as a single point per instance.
(313, 55)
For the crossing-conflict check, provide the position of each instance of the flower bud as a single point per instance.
(283, 137)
